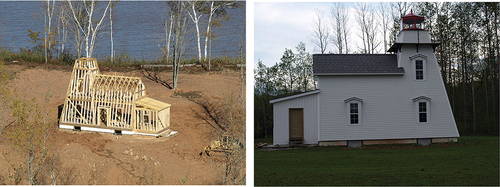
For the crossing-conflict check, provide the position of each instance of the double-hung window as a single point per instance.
(422, 112)
(354, 112)
(422, 105)
(419, 69)
(419, 64)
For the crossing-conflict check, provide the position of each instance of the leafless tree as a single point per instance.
(48, 13)
(320, 33)
(217, 8)
(366, 21)
(195, 16)
(340, 28)
(111, 30)
(168, 37)
(398, 9)
(63, 24)
(179, 19)
(362, 19)
(90, 28)
(383, 13)
(73, 28)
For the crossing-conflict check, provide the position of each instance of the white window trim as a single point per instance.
(427, 101)
(360, 110)
(414, 59)
(424, 70)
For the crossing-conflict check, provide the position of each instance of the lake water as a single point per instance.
(137, 29)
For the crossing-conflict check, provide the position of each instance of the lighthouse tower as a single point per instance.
(415, 48)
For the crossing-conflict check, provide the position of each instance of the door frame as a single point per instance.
(108, 115)
(290, 122)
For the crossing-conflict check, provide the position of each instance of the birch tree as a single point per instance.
(74, 29)
(320, 33)
(179, 19)
(63, 24)
(216, 10)
(168, 24)
(111, 30)
(90, 29)
(195, 16)
(48, 13)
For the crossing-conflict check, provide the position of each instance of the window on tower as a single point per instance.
(419, 70)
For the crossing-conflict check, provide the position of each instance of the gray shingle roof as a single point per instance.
(332, 64)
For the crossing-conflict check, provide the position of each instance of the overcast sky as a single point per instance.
(280, 25)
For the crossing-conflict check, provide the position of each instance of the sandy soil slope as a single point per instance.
(100, 158)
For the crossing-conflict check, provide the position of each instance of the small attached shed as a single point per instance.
(296, 117)
(110, 103)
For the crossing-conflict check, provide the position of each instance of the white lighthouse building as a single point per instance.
(367, 99)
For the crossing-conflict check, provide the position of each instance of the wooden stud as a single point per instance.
(91, 92)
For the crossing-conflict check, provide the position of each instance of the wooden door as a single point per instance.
(296, 122)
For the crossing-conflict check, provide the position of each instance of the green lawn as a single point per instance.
(472, 161)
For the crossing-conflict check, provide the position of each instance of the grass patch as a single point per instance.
(472, 161)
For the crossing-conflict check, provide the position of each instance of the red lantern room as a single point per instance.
(412, 22)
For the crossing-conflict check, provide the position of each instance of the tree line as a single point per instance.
(292, 74)
(467, 57)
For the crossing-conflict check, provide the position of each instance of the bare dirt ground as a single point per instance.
(102, 158)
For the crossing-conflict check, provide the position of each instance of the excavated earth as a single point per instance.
(103, 158)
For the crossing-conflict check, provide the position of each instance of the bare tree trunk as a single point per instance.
(47, 21)
(320, 33)
(383, 16)
(196, 20)
(361, 9)
(111, 33)
(336, 11)
(62, 28)
(168, 37)
(90, 31)
(209, 27)
(179, 19)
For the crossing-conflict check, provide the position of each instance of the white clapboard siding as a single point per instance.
(281, 118)
(388, 109)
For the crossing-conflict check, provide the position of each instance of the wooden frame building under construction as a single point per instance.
(110, 103)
